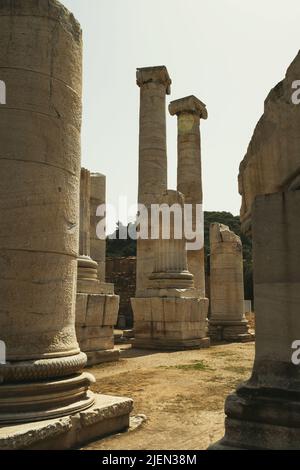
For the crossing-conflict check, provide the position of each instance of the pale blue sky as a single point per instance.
(229, 53)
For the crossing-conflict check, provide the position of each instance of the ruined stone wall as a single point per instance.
(272, 162)
(122, 273)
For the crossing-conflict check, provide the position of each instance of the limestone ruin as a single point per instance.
(45, 397)
(58, 313)
(227, 306)
(96, 304)
(263, 413)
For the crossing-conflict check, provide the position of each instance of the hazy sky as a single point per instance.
(228, 53)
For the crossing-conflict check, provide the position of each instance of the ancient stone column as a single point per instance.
(171, 315)
(154, 83)
(96, 304)
(189, 111)
(39, 184)
(87, 268)
(41, 64)
(97, 198)
(227, 320)
(264, 412)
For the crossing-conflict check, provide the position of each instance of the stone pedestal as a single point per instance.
(264, 413)
(170, 316)
(107, 416)
(40, 61)
(189, 111)
(154, 84)
(96, 305)
(170, 323)
(227, 321)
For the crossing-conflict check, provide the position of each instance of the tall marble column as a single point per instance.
(42, 385)
(154, 83)
(189, 111)
(227, 321)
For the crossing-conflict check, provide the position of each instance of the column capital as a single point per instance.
(157, 74)
(189, 104)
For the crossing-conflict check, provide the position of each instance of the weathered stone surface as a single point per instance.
(227, 321)
(272, 162)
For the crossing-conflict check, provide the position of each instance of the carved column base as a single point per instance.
(106, 416)
(36, 401)
(87, 269)
(169, 280)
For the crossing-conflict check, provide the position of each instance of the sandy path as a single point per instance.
(181, 393)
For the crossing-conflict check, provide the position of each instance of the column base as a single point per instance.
(234, 331)
(171, 345)
(96, 315)
(108, 415)
(262, 419)
(170, 323)
(51, 398)
(177, 280)
(101, 357)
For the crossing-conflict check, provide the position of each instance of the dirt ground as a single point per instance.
(181, 393)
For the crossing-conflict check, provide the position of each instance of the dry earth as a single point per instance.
(181, 393)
